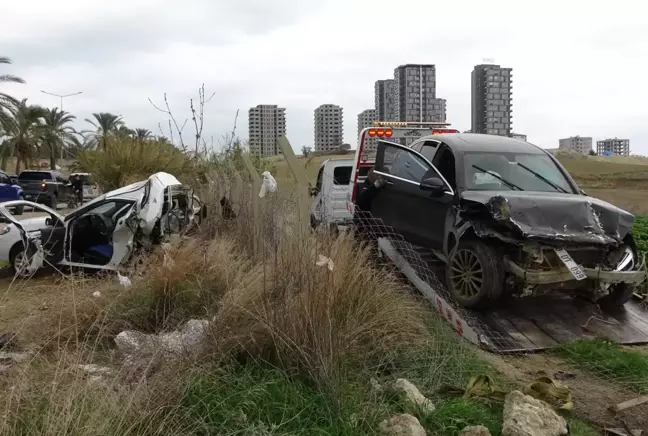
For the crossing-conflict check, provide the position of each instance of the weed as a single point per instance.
(609, 360)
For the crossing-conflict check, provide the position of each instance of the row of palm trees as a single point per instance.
(29, 131)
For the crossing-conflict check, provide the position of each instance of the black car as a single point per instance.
(506, 218)
(44, 186)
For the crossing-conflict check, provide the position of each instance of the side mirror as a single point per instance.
(433, 184)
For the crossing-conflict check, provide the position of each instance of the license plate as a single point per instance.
(573, 268)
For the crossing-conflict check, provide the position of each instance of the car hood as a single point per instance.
(549, 216)
(35, 223)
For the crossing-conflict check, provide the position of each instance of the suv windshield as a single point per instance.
(505, 171)
(34, 175)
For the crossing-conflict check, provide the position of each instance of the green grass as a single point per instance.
(603, 358)
(640, 233)
(453, 415)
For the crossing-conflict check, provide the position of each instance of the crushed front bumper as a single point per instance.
(563, 275)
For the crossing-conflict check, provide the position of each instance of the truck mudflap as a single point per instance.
(521, 325)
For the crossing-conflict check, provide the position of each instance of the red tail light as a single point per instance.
(440, 131)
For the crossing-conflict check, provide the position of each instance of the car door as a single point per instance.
(402, 203)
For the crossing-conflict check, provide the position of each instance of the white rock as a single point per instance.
(475, 430)
(411, 394)
(96, 294)
(186, 339)
(402, 425)
(527, 416)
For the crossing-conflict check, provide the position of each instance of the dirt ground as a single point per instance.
(592, 396)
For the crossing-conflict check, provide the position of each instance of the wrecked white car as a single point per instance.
(101, 234)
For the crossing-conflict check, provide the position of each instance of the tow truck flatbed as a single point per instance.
(522, 325)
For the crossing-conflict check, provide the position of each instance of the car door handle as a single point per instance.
(389, 182)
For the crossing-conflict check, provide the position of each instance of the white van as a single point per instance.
(331, 191)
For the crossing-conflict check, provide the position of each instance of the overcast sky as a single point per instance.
(579, 67)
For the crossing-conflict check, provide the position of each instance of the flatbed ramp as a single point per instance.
(523, 325)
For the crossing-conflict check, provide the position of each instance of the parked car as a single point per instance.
(103, 233)
(44, 186)
(506, 218)
(10, 191)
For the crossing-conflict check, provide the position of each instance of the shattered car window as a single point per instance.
(511, 168)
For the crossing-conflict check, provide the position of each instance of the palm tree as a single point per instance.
(125, 132)
(58, 134)
(105, 124)
(7, 103)
(24, 132)
(142, 135)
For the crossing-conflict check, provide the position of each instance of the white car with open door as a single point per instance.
(101, 234)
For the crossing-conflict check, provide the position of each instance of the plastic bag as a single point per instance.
(269, 184)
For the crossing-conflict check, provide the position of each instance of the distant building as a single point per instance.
(519, 136)
(491, 101)
(384, 98)
(415, 94)
(329, 128)
(365, 118)
(576, 144)
(614, 146)
(266, 123)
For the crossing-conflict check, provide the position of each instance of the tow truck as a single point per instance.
(515, 326)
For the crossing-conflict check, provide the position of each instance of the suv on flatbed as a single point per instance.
(46, 187)
(504, 217)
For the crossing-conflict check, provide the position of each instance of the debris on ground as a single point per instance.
(325, 261)
(616, 408)
(621, 432)
(551, 392)
(475, 430)
(528, 416)
(8, 340)
(124, 281)
(564, 375)
(8, 357)
(96, 294)
(411, 394)
(402, 425)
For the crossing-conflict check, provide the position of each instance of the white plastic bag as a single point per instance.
(269, 184)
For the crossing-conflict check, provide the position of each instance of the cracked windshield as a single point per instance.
(335, 217)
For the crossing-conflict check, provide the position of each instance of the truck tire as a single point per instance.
(475, 275)
(620, 294)
(19, 210)
(53, 201)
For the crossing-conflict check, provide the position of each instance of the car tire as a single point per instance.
(482, 282)
(53, 202)
(620, 294)
(14, 254)
(19, 210)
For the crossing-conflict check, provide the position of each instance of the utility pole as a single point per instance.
(61, 97)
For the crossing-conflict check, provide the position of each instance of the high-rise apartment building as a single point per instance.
(615, 146)
(266, 123)
(329, 128)
(415, 94)
(491, 100)
(365, 118)
(384, 96)
(577, 144)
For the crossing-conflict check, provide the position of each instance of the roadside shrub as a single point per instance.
(127, 160)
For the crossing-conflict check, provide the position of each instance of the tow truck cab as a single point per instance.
(391, 131)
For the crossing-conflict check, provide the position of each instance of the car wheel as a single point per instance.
(18, 210)
(474, 276)
(620, 294)
(53, 201)
(17, 256)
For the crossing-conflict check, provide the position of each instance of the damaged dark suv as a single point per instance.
(506, 219)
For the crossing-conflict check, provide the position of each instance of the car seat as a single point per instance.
(102, 253)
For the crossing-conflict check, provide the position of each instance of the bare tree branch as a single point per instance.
(170, 114)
